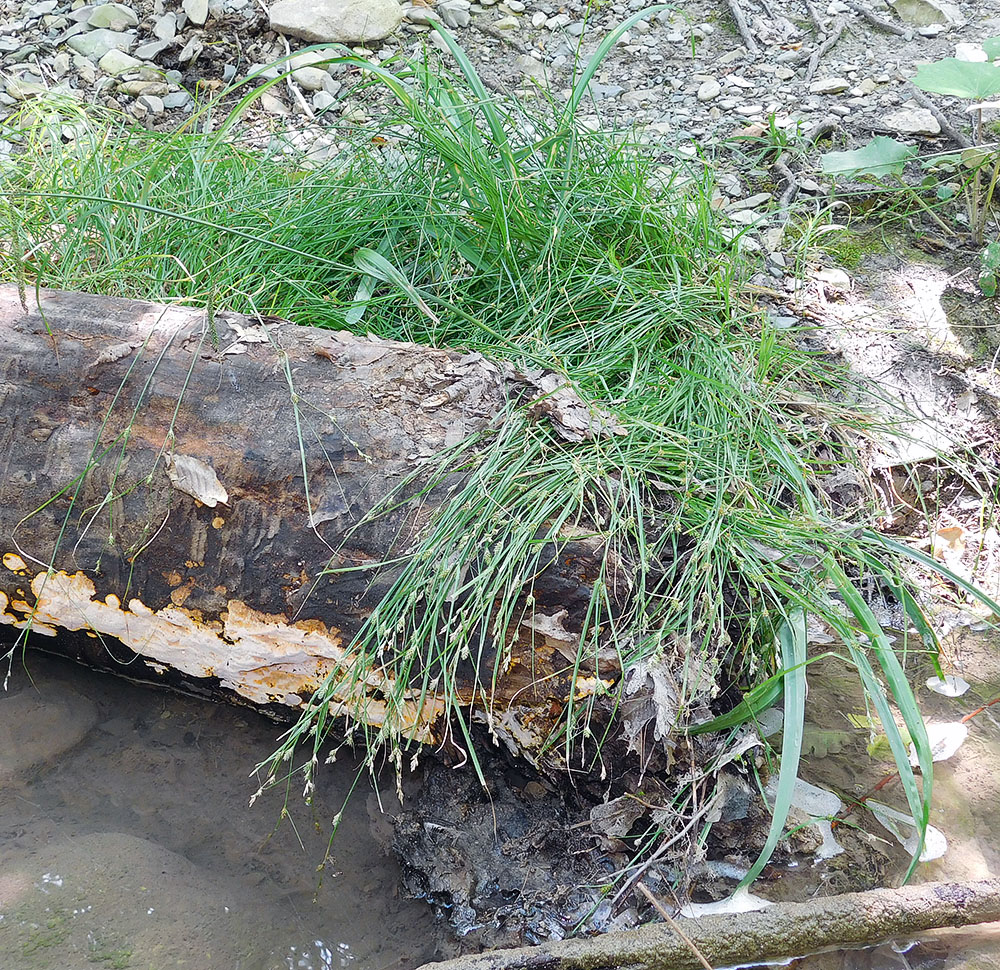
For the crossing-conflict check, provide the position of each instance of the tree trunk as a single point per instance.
(781, 931)
(174, 488)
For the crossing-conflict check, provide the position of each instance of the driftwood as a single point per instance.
(153, 496)
(781, 930)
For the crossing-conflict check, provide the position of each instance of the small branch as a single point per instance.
(946, 128)
(815, 18)
(780, 930)
(788, 195)
(877, 21)
(669, 920)
(741, 24)
(836, 32)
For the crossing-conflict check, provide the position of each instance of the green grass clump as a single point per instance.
(470, 223)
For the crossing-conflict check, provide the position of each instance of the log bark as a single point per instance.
(780, 931)
(153, 472)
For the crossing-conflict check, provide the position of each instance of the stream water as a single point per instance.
(965, 806)
(126, 841)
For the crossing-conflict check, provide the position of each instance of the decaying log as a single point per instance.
(152, 493)
(781, 930)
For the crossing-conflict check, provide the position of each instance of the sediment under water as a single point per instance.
(126, 840)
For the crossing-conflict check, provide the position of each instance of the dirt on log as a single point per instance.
(783, 930)
(176, 488)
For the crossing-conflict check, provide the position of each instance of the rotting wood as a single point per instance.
(781, 930)
(154, 463)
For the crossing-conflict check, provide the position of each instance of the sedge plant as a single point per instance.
(477, 223)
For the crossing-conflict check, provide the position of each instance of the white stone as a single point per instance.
(20, 90)
(336, 21)
(96, 43)
(152, 103)
(165, 27)
(323, 101)
(709, 90)
(455, 13)
(197, 11)
(829, 85)
(113, 16)
(912, 121)
(116, 62)
(970, 52)
(507, 23)
(923, 13)
(310, 78)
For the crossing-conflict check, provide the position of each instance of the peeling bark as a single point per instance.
(780, 931)
(152, 493)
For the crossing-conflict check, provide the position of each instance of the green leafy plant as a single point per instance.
(989, 269)
(886, 157)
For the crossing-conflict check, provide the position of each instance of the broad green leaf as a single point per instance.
(881, 156)
(992, 47)
(962, 79)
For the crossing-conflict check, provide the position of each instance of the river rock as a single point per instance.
(112, 16)
(96, 43)
(912, 121)
(336, 21)
(709, 90)
(58, 725)
(455, 13)
(197, 11)
(117, 62)
(923, 13)
(829, 85)
(310, 78)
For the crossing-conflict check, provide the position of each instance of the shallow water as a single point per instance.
(965, 805)
(126, 841)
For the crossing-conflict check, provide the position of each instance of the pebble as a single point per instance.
(323, 101)
(912, 121)
(96, 43)
(117, 62)
(507, 23)
(152, 50)
(197, 10)
(310, 78)
(176, 99)
(139, 88)
(456, 13)
(709, 90)
(165, 27)
(113, 16)
(829, 85)
(152, 103)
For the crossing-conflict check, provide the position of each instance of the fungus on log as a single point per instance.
(177, 489)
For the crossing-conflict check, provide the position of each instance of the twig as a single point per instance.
(877, 21)
(815, 18)
(670, 922)
(946, 129)
(293, 88)
(791, 190)
(836, 32)
(741, 24)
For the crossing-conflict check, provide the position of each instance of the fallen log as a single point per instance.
(177, 488)
(783, 930)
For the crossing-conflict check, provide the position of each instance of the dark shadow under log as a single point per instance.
(154, 473)
(783, 930)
